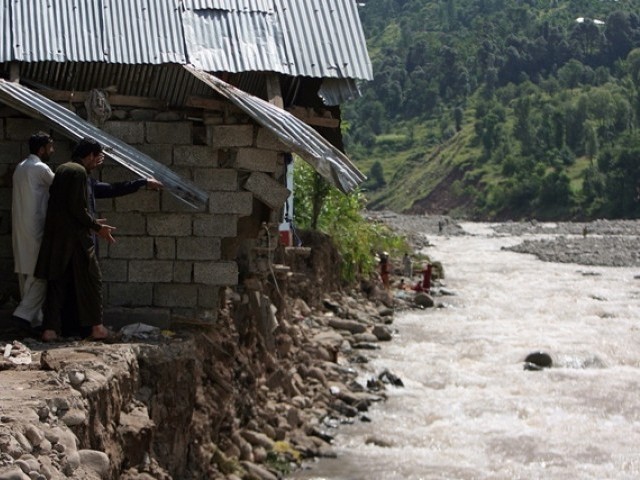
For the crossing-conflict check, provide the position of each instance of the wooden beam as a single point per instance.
(140, 102)
(209, 104)
(64, 95)
(310, 117)
(14, 72)
(114, 99)
(274, 91)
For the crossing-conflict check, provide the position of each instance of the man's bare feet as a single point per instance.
(100, 332)
(49, 336)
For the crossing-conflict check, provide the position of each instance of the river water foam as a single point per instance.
(470, 411)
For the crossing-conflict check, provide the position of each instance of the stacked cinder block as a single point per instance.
(167, 254)
(167, 258)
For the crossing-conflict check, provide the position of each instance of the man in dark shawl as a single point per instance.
(67, 257)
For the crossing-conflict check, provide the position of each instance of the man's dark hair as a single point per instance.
(87, 146)
(39, 140)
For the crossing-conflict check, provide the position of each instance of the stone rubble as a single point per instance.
(205, 401)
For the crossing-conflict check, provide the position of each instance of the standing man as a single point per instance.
(407, 266)
(67, 258)
(31, 180)
(385, 269)
(95, 190)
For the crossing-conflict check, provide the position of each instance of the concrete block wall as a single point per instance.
(167, 257)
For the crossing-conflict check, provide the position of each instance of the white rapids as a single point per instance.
(470, 411)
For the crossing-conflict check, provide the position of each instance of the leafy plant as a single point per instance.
(340, 216)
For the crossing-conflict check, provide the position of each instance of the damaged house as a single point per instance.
(212, 98)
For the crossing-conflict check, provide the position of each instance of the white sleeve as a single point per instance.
(46, 175)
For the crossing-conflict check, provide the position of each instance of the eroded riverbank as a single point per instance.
(248, 396)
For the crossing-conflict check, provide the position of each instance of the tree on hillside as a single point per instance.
(623, 181)
(571, 74)
(522, 129)
(555, 189)
(633, 68)
(620, 34)
(458, 115)
(489, 126)
(587, 38)
(591, 142)
(377, 175)
(575, 118)
(421, 95)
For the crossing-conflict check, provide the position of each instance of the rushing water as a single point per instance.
(470, 411)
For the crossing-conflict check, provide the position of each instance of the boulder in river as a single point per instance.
(537, 361)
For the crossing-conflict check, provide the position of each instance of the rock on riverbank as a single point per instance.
(227, 400)
(193, 405)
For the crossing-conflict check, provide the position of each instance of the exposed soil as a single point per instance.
(247, 397)
(441, 200)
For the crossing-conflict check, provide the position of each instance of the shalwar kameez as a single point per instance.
(67, 257)
(31, 180)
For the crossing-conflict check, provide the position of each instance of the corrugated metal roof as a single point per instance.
(243, 41)
(142, 31)
(62, 31)
(37, 106)
(114, 31)
(327, 160)
(324, 38)
(316, 38)
(5, 30)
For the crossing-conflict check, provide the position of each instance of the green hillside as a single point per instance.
(500, 108)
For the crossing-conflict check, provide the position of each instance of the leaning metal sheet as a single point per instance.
(35, 105)
(327, 160)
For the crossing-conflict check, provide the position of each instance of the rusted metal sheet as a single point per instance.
(36, 106)
(327, 160)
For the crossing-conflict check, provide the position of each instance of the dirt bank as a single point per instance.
(247, 397)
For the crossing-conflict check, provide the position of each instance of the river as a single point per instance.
(469, 410)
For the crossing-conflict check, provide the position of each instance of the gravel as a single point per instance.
(613, 243)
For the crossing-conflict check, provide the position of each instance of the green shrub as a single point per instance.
(340, 216)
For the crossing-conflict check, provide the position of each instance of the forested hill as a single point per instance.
(501, 108)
